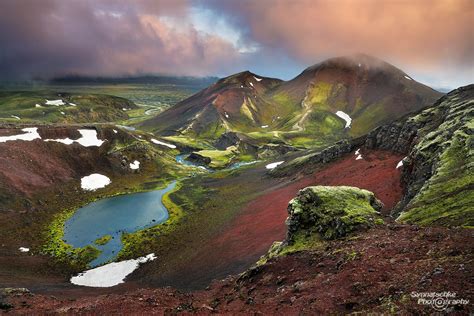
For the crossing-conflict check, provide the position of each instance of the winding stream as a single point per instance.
(113, 216)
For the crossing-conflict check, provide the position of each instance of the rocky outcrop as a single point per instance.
(438, 173)
(321, 213)
(226, 140)
(273, 149)
(397, 136)
(330, 212)
(308, 163)
(198, 159)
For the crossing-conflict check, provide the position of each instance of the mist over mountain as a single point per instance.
(145, 79)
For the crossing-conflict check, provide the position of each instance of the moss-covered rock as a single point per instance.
(322, 213)
(439, 172)
(330, 212)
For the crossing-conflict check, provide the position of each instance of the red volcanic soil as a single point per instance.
(375, 272)
(262, 222)
(29, 166)
(376, 172)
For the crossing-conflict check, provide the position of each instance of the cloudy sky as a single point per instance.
(432, 40)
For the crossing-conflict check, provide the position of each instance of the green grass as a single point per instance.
(374, 115)
(189, 141)
(133, 242)
(103, 240)
(89, 107)
(220, 158)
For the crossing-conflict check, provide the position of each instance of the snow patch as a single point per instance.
(358, 155)
(226, 115)
(345, 117)
(65, 141)
(73, 104)
(110, 274)
(94, 181)
(55, 102)
(24, 249)
(251, 84)
(264, 126)
(135, 165)
(15, 117)
(88, 139)
(406, 77)
(155, 141)
(38, 105)
(63, 113)
(115, 131)
(400, 163)
(31, 134)
(258, 79)
(274, 165)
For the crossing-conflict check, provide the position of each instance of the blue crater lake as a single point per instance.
(114, 216)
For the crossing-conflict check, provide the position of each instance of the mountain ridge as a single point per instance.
(246, 102)
(340, 98)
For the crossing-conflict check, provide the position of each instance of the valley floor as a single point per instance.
(377, 271)
(198, 253)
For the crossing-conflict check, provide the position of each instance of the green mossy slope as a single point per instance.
(31, 106)
(445, 198)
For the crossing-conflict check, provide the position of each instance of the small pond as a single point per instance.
(113, 216)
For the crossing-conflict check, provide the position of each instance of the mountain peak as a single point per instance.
(357, 60)
(240, 77)
(363, 87)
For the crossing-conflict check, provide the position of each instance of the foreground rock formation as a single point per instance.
(331, 212)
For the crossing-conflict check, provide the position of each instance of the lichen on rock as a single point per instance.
(330, 212)
(320, 213)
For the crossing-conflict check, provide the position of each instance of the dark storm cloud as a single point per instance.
(109, 37)
(431, 39)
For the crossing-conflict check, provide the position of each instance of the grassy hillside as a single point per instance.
(445, 198)
(337, 99)
(33, 106)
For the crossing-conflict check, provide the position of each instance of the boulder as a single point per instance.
(330, 212)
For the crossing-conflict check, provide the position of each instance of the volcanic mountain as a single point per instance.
(344, 96)
(235, 102)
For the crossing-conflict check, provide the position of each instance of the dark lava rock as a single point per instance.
(198, 159)
(226, 140)
(273, 149)
(309, 162)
